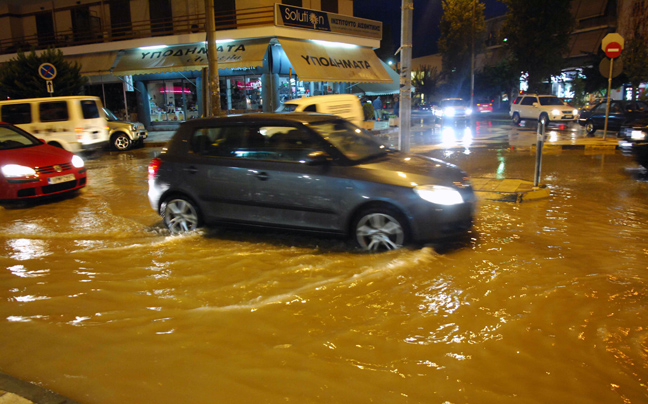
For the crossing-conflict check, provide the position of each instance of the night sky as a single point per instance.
(427, 14)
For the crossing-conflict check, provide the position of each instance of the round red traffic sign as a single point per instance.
(613, 50)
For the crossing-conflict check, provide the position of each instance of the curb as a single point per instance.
(16, 391)
(508, 190)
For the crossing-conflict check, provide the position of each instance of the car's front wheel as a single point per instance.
(589, 127)
(180, 214)
(516, 119)
(121, 141)
(380, 229)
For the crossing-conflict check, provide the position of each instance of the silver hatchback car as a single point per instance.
(306, 172)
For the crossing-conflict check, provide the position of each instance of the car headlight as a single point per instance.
(133, 128)
(637, 135)
(449, 111)
(555, 112)
(17, 171)
(468, 111)
(77, 161)
(439, 194)
(575, 112)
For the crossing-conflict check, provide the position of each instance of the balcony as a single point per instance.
(98, 32)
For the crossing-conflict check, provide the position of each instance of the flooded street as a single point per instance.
(547, 302)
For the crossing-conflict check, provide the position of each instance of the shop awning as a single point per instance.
(374, 89)
(314, 61)
(231, 54)
(94, 64)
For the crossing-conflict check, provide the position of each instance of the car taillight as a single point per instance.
(79, 133)
(153, 168)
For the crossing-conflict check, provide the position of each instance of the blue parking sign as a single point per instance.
(47, 71)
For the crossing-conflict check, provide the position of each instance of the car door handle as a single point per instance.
(191, 170)
(263, 176)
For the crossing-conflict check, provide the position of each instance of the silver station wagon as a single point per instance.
(306, 172)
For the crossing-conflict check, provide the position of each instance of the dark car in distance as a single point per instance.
(635, 135)
(621, 112)
(306, 172)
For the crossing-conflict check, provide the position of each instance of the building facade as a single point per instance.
(147, 59)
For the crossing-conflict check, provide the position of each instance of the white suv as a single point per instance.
(543, 108)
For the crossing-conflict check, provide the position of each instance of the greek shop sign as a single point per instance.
(303, 18)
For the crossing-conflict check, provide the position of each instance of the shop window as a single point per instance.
(241, 93)
(172, 100)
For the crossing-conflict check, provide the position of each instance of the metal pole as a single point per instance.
(607, 107)
(472, 59)
(404, 111)
(214, 90)
(125, 101)
(539, 144)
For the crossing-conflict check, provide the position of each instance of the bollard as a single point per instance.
(540, 142)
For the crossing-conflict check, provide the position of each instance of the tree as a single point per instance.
(635, 52)
(537, 35)
(426, 81)
(19, 76)
(495, 80)
(462, 23)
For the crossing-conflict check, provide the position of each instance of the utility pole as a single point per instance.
(472, 58)
(405, 105)
(214, 89)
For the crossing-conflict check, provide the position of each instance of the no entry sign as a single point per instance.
(613, 50)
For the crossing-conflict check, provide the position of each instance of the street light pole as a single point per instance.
(472, 58)
(405, 104)
(214, 89)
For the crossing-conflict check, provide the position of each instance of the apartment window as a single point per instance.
(45, 28)
(81, 23)
(330, 6)
(225, 14)
(161, 16)
(297, 3)
(120, 18)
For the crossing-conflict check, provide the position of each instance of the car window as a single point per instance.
(550, 101)
(54, 111)
(615, 107)
(89, 109)
(285, 143)
(224, 141)
(601, 108)
(16, 114)
(452, 103)
(287, 108)
(311, 108)
(348, 139)
(516, 100)
(12, 139)
(528, 100)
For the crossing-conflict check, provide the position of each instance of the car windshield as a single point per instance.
(109, 115)
(13, 139)
(452, 103)
(550, 101)
(349, 139)
(287, 108)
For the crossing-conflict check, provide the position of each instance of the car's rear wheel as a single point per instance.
(589, 127)
(180, 214)
(516, 118)
(380, 229)
(121, 141)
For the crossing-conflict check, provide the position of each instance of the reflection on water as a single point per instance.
(545, 303)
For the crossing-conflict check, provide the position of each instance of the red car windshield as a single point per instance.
(10, 138)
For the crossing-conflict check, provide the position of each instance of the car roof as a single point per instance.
(294, 117)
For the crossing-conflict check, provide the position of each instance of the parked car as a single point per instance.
(635, 135)
(453, 109)
(74, 123)
(31, 169)
(621, 112)
(543, 108)
(123, 134)
(309, 172)
(484, 106)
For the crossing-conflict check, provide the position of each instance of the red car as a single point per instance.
(30, 169)
(484, 106)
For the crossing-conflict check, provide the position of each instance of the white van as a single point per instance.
(346, 106)
(75, 123)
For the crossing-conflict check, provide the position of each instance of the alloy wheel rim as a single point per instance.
(180, 216)
(122, 142)
(379, 231)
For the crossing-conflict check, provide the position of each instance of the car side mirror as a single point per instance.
(536, 105)
(318, 158)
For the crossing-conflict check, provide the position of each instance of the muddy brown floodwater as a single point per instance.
(547, 302)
